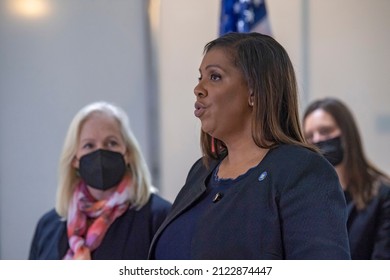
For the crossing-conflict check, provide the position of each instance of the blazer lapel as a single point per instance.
(195, 189)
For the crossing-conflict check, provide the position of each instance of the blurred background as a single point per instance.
(57, 56)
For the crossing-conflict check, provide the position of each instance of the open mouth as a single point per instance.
(199, 109)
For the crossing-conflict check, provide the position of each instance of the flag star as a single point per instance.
(240, 25)
(249, 16)
(243, 15)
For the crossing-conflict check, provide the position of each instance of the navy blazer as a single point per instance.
(369, 229)
(128, 237)
(296, 210)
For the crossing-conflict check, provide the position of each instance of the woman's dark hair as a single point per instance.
(361, 175)
(267, 68)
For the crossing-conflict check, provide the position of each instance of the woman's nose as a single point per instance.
(199, 91)
(99, 146)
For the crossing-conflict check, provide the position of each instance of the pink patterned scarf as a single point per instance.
(83, 239)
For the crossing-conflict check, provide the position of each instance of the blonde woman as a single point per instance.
(106, 207)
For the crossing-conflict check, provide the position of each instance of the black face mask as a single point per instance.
(332, 150)
(102, 169)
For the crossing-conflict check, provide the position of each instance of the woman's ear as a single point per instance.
(75, 162)
(251, 99)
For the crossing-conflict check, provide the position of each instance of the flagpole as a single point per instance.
(153, 100)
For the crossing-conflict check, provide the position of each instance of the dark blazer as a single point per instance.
(296, 210)
(128, 237)
(369, 229)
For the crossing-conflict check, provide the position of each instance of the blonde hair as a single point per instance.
(142, 187)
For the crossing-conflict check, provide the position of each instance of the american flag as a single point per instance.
(244, 16)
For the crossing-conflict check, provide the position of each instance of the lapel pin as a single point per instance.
(218, 196)
(262, 176)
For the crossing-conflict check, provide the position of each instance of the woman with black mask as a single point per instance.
(106, 207)
(329, 125)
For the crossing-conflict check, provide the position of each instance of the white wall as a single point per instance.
(185, 26)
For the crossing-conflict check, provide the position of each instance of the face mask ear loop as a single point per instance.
(128, 166)
(77, 169)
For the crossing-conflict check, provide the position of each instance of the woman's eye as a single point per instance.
(215, 77)
(326, 131)
(88, 146)
(112, 143)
